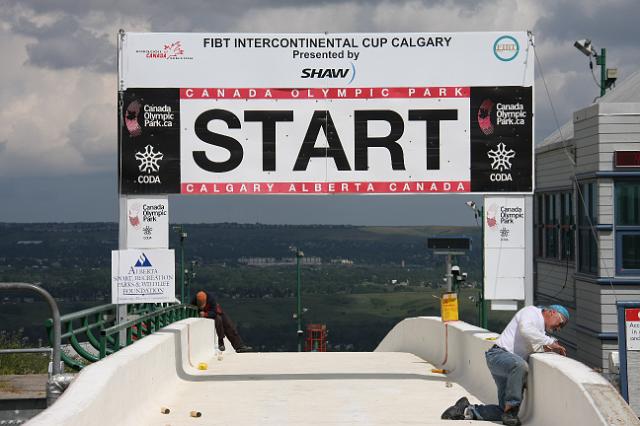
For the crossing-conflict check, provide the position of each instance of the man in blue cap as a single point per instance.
(507, 362)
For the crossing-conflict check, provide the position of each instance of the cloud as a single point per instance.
(58, 104)
(93, 135)
(64, 44)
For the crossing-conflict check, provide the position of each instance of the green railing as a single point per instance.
(87, 326)
(142, 326)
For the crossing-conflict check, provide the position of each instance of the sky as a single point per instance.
(58, 138)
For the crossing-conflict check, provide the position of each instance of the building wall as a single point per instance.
(599, 131)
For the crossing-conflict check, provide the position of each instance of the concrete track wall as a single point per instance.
(125, 387)
(561, 391)
(118, 389)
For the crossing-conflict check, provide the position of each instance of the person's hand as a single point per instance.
(203, 314)
(557, 348)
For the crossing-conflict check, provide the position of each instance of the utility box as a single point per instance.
(629, 352)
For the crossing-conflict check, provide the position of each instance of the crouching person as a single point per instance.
(208, 308)
(507, 362)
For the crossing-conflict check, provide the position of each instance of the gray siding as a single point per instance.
(599, 131)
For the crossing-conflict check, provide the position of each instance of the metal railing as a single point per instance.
(82, 330)
(54, 336)
(143, 326)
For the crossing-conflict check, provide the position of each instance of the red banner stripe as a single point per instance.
(220, 188)
(324, 93)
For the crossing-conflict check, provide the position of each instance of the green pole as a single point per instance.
(183, 236)
(602, 61)
(299, 255)
(483, 306)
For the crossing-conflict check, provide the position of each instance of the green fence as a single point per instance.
(97, 326)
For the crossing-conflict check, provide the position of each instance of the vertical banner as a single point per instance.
(504, 248)
(149, 141)
(142, 276)
(501, 139)
(147, 222)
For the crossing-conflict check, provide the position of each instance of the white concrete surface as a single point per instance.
(310, 389)
(393, 385)
(560, 391)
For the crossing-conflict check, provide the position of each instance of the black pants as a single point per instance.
(226, 327)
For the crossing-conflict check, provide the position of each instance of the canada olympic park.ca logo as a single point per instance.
(506, 48)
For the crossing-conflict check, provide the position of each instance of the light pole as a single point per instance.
(183, 236)
(482, 306)
(299, 332)
(190, 278)
(608, 76)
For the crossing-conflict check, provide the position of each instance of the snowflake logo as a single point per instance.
(147, 230)
(149, 159)
(501, 158)
(504, 233)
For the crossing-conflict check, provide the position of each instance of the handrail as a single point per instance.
(55, 369)
(145, 325)
(74, 324)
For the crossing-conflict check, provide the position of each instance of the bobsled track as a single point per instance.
(394, 384)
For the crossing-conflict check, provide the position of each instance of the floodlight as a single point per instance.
(585, 47)
(471, 205)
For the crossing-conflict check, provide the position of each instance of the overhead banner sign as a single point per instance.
(142, 276)
(325, 113)
(504, 248)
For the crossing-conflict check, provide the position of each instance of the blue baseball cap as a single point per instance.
(561, 310)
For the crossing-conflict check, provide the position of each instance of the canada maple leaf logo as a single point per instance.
(173, 50)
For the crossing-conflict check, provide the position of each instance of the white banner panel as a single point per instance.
(504, 247)
(302, 60)
(142, 276)
(147, 222)
(379, 113)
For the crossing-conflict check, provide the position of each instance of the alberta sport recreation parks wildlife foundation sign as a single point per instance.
(205, 113)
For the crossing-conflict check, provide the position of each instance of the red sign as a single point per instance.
(627, 159)
(632, 314)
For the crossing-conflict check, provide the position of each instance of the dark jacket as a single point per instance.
(209, 308)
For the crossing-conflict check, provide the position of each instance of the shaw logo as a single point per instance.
(506, 48)
(324, 72)
(333, 73)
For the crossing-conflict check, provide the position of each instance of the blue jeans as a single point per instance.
(509, 371)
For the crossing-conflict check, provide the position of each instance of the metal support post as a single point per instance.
(299, 332)
(484, 320)
(448, 273)
(602, 61)
(55, 314)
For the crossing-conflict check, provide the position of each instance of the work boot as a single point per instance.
(221, 347)
(510, 418)
(456, 411)
(244, 348)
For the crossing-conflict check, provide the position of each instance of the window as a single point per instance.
(587, 247)
(550, 226)
(627, 205)
(539, 227)
(555, 226)
(566, 226)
